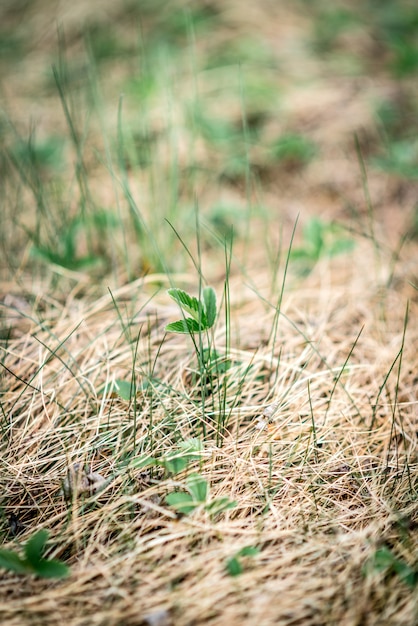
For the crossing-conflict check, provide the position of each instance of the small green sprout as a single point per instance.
(175, 461)
(202, 312)
(32, 561)
(197, 494)
(234, 565)
(383, 560)
(320, 239)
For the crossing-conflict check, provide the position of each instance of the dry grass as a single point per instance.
(319, 448)
(317, 512)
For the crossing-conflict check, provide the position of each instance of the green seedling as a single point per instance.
(65, 249)
(293, 149)
(197, 495)
(187, 451)
(226, 219)
(396, 27)
(235, 565)
(120, 388)
(216, 131)
(32, 561)
(34, 155)
(202, 312)
(104, 44)
(216, 363)
(401, 159)
(320, 239)
(383, 560)
(405, 53)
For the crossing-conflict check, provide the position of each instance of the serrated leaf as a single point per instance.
(186, 326)
(35, 547)
(209, 298)
(51, 569)
(188, 303)
(198, 487)
(11, 561)
(181, 501)
(192, 447)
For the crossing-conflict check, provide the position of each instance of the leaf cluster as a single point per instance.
(197, 495)
(202, 312)
(32, 561)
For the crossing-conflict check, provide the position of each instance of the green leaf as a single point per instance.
(209, 298)
(145, 460)
(192, 447)
(186, 326)
(198, 487)
(35, 547)
(383, 558)
(220, 504)
(181, 501)
(175, 464)
(51, 569)
(188, 303)
(405, 573)
(11, 561)
(300, 254)
(313, 234)
(234, 567)
(34, 563)
(123, 388)
(249, 551)
(339, 246)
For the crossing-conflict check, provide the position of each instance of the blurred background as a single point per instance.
(127, 124)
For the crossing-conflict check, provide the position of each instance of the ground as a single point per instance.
(261, 468)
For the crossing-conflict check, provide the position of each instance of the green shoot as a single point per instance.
(197, 495)
(235, 564)
(203, 312)
(32, 561)
(383, 560)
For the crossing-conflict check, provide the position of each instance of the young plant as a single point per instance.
(235, 564)
(188, 451)
(383, 560)
(202, 312)
(32, 561)
(173, 462)
(320, 239)
(197, 495)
